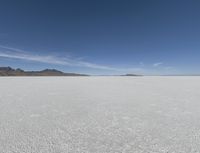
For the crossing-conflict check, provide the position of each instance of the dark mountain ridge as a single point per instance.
(8, 71)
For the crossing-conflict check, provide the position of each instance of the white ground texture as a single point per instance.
(99, 114)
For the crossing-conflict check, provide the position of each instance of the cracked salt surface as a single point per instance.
(99, 114)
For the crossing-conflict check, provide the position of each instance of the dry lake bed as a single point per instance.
(100, 114)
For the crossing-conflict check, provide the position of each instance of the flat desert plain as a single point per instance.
(100, 114)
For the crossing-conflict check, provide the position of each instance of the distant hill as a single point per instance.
(8, 71)
(131, 75)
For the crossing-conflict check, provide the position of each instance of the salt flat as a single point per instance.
(99, 114)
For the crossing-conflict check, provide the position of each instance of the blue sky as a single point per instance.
(101, 36)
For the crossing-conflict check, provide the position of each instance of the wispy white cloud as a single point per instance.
(13, 53)
(11, 49)
(36, 58)
(52, 60)
(157, 64)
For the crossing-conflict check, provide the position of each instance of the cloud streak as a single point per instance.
(157, 64)
(13, 53)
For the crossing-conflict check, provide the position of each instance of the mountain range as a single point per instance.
(8, 71)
